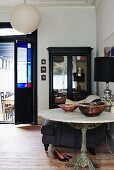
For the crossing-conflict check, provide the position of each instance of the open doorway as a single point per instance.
(7, 99)
(18, 104)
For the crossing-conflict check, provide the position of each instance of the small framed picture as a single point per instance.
(43, 69)
(43, 61)
(107, 51)
(43, 77)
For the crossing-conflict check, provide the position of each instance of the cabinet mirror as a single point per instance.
(59, 79)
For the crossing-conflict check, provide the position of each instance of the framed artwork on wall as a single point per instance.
(43, 61)
(43, 69)
(43, 77)
(107, 51)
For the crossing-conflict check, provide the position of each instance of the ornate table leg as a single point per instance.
(83, 159)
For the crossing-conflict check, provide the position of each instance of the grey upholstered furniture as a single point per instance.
(62, 134)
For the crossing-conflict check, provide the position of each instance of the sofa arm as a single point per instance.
(48, 127)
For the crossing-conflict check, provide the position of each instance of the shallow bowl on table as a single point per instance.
(68, 107)
(92, 109)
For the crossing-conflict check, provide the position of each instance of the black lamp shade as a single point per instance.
(104, 69)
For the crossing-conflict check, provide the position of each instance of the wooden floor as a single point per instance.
(21, 148)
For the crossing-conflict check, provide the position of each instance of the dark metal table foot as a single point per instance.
(83, 161)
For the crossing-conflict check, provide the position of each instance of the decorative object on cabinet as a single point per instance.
(109, 51)
(104, 72)
(69, 74)
(112, 52)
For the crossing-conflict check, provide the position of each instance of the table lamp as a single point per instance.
(104, 72)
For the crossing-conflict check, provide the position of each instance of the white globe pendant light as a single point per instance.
(25, 18)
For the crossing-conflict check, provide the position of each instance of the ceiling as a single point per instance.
(7, 49)
(47, 3)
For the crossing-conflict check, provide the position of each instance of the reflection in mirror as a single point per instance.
(60, 78)
(79, 75)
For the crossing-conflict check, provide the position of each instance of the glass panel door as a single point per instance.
(23, 83)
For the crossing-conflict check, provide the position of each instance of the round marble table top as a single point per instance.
(75, 116)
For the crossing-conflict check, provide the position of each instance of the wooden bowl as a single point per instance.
(92, 109)
(68, 107)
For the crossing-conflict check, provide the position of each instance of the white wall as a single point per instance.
(105, 31)
(63, 28)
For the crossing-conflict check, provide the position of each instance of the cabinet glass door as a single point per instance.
(59, 79)
(79, 77)
(69, 74)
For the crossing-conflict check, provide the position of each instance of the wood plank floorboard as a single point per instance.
(21, 148)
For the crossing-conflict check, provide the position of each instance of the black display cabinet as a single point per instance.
(69, 74)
